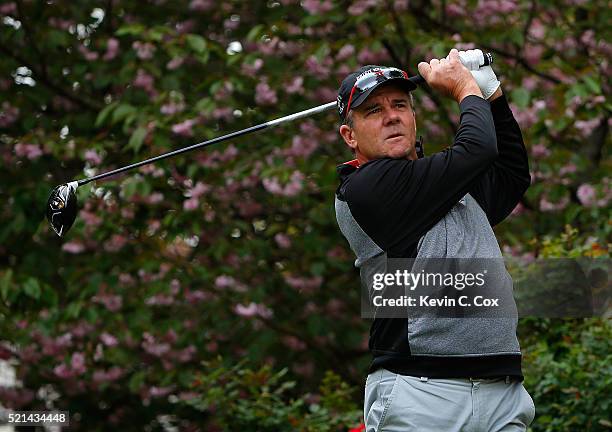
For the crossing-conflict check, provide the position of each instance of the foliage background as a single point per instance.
(214, 291)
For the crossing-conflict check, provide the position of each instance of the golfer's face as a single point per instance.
(384, 125)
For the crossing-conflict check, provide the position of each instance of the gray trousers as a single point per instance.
(399, 403)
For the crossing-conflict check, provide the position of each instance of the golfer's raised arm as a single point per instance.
(501, 187)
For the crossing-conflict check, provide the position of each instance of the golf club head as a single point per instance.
(62, 207)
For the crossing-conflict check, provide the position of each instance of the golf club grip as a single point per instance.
(418, 79)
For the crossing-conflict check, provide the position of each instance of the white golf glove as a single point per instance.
(484, 76)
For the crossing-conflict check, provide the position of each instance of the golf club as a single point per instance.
(62, 203)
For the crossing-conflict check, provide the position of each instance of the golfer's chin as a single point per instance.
(398, 147)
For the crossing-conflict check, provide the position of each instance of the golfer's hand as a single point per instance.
(450, 77)
(484, 76)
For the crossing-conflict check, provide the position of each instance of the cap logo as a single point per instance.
(340, 104)
(377, 71)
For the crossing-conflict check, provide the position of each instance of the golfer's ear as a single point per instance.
(349, 137)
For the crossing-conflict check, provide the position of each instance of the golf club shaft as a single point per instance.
(236, 134)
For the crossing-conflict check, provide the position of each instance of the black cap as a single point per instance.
(344, 92)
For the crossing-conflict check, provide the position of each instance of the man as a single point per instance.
(434, 374)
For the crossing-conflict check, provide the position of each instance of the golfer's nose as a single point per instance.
(391, 115)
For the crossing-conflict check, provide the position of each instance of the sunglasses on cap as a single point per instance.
(370, 79)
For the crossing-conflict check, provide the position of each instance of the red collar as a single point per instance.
(354, 163)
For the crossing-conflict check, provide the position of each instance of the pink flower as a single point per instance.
(115, 243)
(91, 219)
(191, 204)
(172, 108)
(537, 29)
(159, 300)
(112, 374)
(225, 281)
(196, 296)
(8, 9)
(454, 10)
(126, 279)
(533, 53)
(302, 146)
(225, 113)
(304, 284)
(586, 194)
(294, 343)
(317, 7)
(145, 81)
(318, 68)
(160, 391)
(198, 190)
(567, 169)
(540, 151)
(230, 24)
(8, 115)
(586, 127)
(87, 54)
(154, 198)
(530, 83)
(269, 46)
(31, 151)
(295, 86)
(249, 208)
(304, 369)
(252, 69)
(292, 188)
(151, 346)
(253, 310)
(73, 246)
(360, 6)
(93, 157)
(184, 128)
(112, 49)
(201, 5)
(77, 363)
(546, 205)
(63, 371)
(367, 56)
(112, 302)
(144, 50)
(345, 52)
(282, 240)
(401, 5)
(109, 340)
(186, 354)
(175, 63)
(524, 117)
(264, 95)
(518, 210)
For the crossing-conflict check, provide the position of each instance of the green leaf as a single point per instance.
(5, 283)
(136, 139)
(254, 33)
(32, 288)
(520, 97)
(130, 29)
(102, 115)
(73, 309)
(592, 84)
(122, 112)
(197, 43)
(136, 381)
